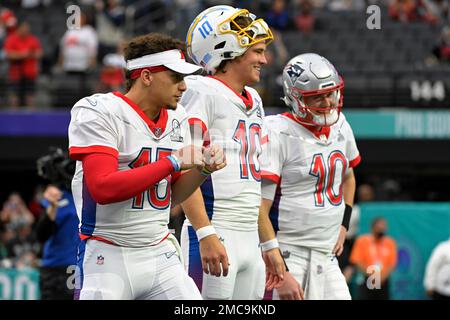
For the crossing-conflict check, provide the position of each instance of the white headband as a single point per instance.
(172, 59)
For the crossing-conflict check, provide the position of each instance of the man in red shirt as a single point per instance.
(23, 50)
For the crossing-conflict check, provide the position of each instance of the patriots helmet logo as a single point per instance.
(294, 71)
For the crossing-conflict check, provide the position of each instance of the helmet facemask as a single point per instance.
(317, 115)
(255, 32)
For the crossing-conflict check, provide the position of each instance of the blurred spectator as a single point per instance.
(365, 192)
(306, 21)
(22, 248)
(347, 5)
(278, 17)
(403, 10)
(110, 21)
(23, 51)
(34, 205)
(30, 4)
(8, 24)
(437, 272)
(79, 48)
(269, 88)
(15, 213)
(186, 11)
(58, 227)
(5, 236)
(441, 51)
(78, 54)
(375, 256)
(436, 11)
(17, 238)
(391, 189)
(112, 76)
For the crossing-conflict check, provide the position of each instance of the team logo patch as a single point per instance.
(286, 254)
(294, 71)
(176, 132)
(100, 259)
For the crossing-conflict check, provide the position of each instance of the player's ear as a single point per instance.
(147, 77)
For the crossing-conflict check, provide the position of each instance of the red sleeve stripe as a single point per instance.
(355, 161)
(270, 176)
(76, 153)
(198, 122)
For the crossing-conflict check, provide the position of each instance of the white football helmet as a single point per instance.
(307, 75)
(215, 36)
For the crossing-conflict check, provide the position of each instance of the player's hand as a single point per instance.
(275, 269)
(190, 156)
(339, 246)
(214, 158)
(214, 256)
(290, 289)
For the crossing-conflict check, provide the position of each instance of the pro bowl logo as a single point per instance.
(176, 132)
(258, 103)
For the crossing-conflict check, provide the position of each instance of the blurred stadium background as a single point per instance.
(397, 99)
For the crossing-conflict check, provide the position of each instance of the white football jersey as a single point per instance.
(113, 124)
(232, 195)
(308, 207)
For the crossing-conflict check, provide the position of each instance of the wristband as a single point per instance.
(175, 162)
(205, 172)
(269, 245)
(347, 215)
(203, 232)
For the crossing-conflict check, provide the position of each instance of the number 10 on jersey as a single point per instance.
(250, 141)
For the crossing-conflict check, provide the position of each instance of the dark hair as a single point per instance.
(243, 22)
(148, 44)
(57, 168)
(376, 220)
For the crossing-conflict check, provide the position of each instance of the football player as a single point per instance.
(230, 44)
(130, 150)
(308, 180)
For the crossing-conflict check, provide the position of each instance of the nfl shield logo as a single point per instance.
(100, 259)
(157, 132)
(319, 269)
(286, 254)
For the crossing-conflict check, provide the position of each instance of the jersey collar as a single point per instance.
(248, 101)
(316, 131)
(156, 128)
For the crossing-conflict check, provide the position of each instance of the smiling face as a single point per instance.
(250, 63)
(321, 104)
(322, 109)
(167, 88)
